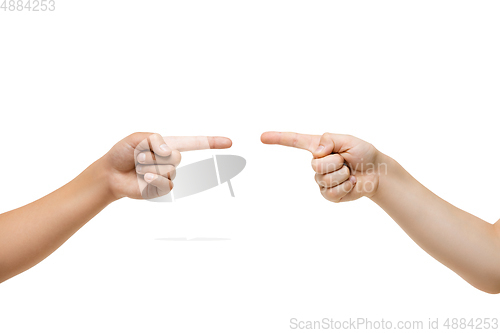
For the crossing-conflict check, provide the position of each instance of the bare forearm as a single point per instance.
(31, 233)
(464, 243)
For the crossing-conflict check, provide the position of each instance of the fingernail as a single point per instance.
(353, 180)
(319, 149)
(138, 168)
(164, 147)
(149, 177)
(141, 157)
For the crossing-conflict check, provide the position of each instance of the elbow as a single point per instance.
(493, 291)
(486, 280)
(493, 288)
(6, 273)
(490, 285)
(4, 276)
(489, 279)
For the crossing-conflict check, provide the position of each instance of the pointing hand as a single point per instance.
(346, 167)
(142, 166)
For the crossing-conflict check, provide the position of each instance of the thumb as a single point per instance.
(154, 142)
(330, 143)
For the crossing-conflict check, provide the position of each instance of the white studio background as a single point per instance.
(419, 80)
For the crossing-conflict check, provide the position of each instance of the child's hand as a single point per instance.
(346, 167)
(135, 172)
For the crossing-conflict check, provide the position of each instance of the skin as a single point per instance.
(464, 243)
(31, 233)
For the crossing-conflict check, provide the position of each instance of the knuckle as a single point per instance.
(176, 157)
(295, 140)
(156, 136)
(314, 164)
(334, 195)
(138, 136)
(171, 174)
(324, 136)
(319, 180)
(321, 167)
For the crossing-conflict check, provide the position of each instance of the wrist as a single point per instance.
(368, 174)
(389, 171)
(99, 175)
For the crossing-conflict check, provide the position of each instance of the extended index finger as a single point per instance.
(290, 139)
(187, 143)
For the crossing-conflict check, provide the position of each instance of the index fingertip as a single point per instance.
(269, 137)
(226, 143)
(219, 142)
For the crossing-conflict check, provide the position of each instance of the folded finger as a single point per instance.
(335, 194)
(327, 164)
(165, 170)
(334, 178)
(162, 185)
(146, 157)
